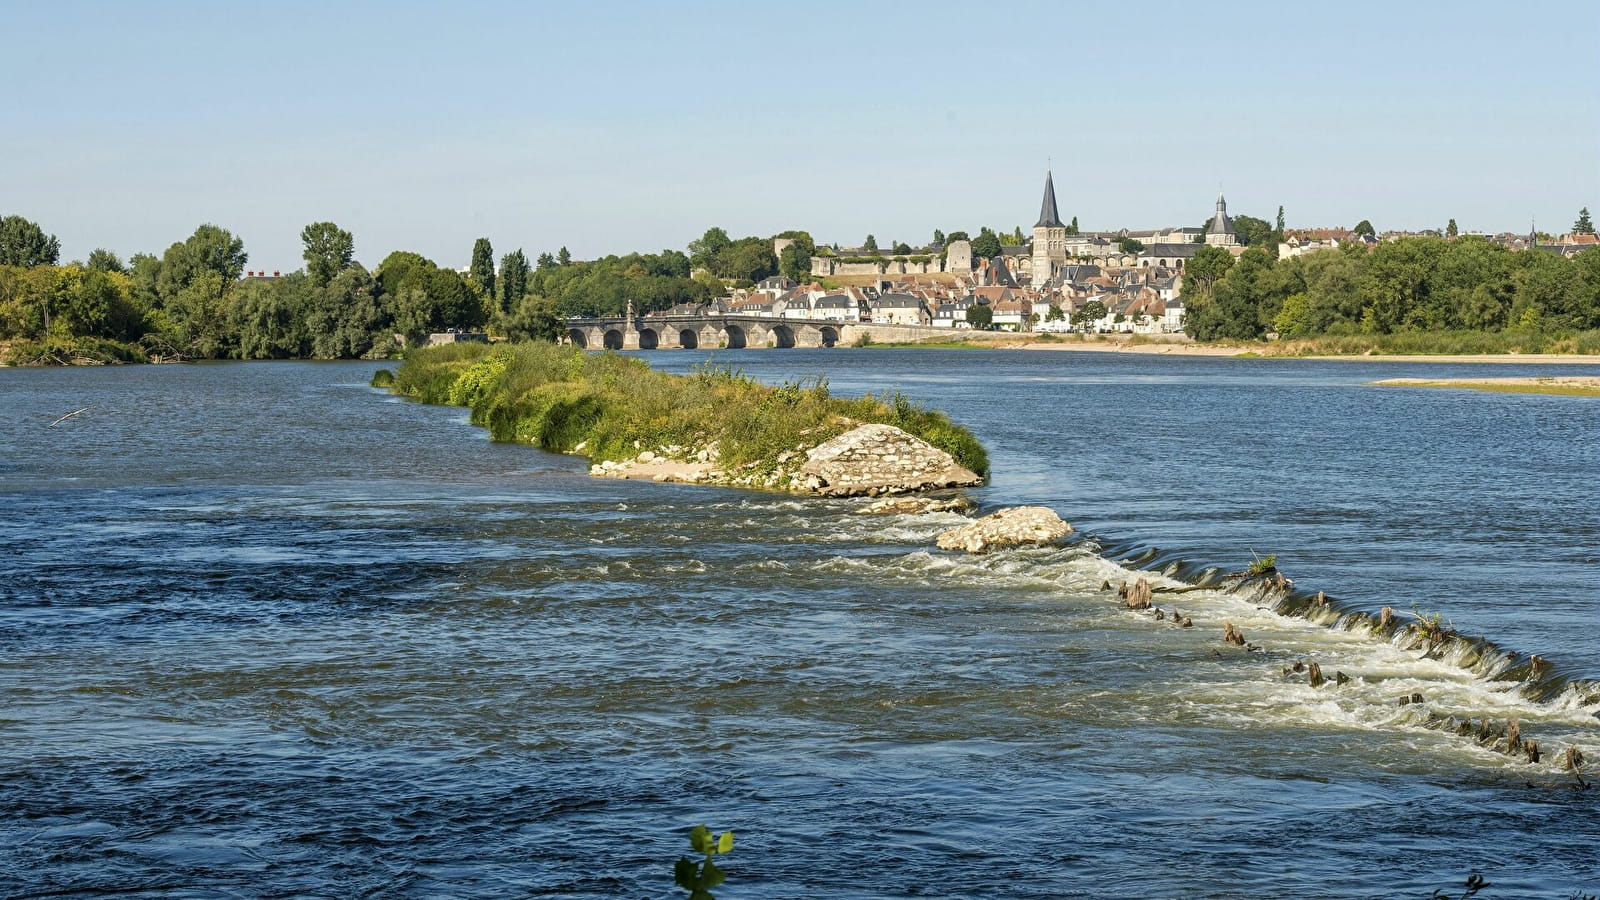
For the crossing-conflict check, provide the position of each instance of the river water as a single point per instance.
(267, 632)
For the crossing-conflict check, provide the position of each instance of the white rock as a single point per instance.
(1007, 528)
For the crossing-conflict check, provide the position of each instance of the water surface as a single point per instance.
(266, 632)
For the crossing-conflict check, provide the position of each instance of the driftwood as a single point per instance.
(70, 415)
(1531, 750)
(1386, 618)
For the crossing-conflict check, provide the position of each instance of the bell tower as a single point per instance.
(1049, 237)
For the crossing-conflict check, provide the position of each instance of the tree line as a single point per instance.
(1412, 284)
(192, 301)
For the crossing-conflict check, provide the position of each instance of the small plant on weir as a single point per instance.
(1262, 564)
(699, 878)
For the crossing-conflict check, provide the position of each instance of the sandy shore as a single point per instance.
(1164, 348)
(1569, 385)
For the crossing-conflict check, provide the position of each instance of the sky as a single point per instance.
(611, 127)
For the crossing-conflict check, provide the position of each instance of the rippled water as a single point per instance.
(267, 632)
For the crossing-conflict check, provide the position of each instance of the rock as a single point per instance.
(882, 459)
(914, 506)
(646, 457)
(1007, 528)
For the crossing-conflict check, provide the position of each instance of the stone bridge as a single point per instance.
(731, 332)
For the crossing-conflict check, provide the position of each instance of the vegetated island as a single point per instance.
(1566, 386)
(714, 426)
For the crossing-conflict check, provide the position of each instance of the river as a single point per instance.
(268, 632)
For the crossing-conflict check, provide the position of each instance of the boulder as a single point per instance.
(1007, 528)
(872, 460)
(913, 506)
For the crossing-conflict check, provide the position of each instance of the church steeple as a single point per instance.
(1220, 232)
(1048, 217)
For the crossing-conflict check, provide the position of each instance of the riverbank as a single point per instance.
(714, 425)
(1566, 386)
(1388, 348)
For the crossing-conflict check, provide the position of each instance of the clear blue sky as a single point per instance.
(610, 127)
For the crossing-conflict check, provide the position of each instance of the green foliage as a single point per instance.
(870, 245)
(1089, 313)
(794, 263)
(980, 316)
(1364, 227)
(1254, 232)
(329, 250)
(1072, 227)
(1129, 245)
(1450, 229)
(1261, 565)
(901, 248)
(210, 251)
(699, 879)
(864, 339)
(24, 243)
(482, 268)
(103, 260)
(382, 378)
(559, 397)
(986, 245)
(1584, 224)
(513, 279)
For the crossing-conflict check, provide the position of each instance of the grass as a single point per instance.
(612, 406)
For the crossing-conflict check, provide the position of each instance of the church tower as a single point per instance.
(1049, 237)
(1220, 232)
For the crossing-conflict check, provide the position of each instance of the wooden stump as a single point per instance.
(1316, 676)
(1232, 635)
(1386, 618)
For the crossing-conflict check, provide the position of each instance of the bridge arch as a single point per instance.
(578, 338)
(830, 336)
(783, 337)
(735, 337)
(613, 339)
(649, 339)
(688, 339)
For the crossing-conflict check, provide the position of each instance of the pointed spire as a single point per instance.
(1048, 217)
(1222, 205)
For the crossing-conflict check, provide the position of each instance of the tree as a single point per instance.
(938, 238)
(986, 245)
(794, 263)
(210, 250)
(871, 245)
(1072, 227)
(563, 258)
(533, 319)
(1364, 227)
(328, 251)
(1584, 225)
(1054, 314)
(703, 253)
(1253, 232)
(24, 243)
(1450, 230)
(1279, 229)
(954, 236)
(483, 266)
(1130, 245)
(1088, 314)
(103, 260)
(980, 316)
(546, 261)
(901, 248)
(802, 239)
(513, 279)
